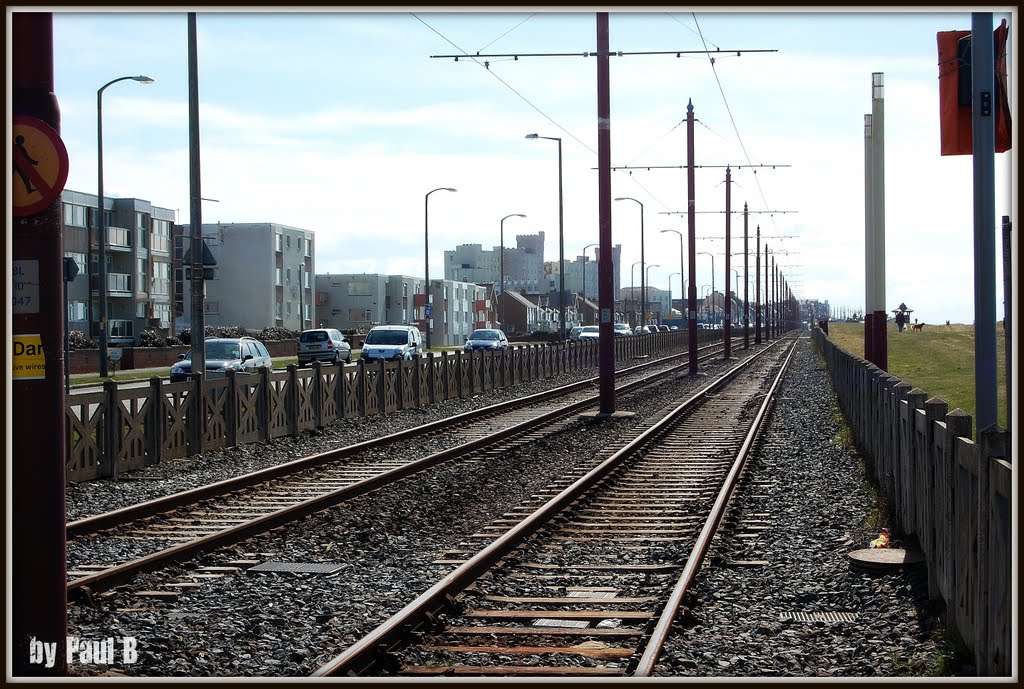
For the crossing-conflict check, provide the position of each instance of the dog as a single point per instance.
(917, 326)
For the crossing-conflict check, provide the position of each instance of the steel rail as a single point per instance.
(119, 517)
(369, 652)
(647, 661)
(119, 574)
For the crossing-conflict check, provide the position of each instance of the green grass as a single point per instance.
(938, 359)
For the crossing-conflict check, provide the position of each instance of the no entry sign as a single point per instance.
(40, 165)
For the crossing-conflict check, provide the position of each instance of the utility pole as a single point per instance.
(691, 231)
(197, 299)
(605, 284)
(38, 594)
(757, 288)
(746, 293)
(728, 250)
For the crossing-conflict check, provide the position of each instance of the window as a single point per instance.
(359, 289)
(162, 312)
(277, 241)
(288, 309)
(211, 307)
(161, 278)
(298, 244)
(140, 309)
(77, 311)
(288, 275)
(306, 312)
(288, 241)
(161, 236)
(142, 231)
(75, 215)
(277, 277)
(277, 310)
(309, 247)
(141, 273)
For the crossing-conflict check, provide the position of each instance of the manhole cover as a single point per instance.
(881, 559)
(310, 567)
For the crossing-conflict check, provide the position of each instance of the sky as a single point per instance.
(340, 122)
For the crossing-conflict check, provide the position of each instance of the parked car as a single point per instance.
(590, 332)
(622, 329)
(323, 344)
(395, 342)
(574, 334)
(486, 338)
(222, 354)
(663, 328)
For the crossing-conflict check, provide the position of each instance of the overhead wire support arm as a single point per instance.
(683, 167)
(611, 53)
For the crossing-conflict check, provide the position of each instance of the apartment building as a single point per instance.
(137, 265)
(359, 301)
(524, 265)
(262, 278)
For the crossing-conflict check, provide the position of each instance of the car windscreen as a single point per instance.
(313, 336)
(484, 335)
(591, 329)
(221, 350)
(387, 337)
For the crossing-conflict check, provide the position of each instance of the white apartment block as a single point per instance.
(263, 276)
(355, 302)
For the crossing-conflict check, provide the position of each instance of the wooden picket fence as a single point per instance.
(120, 429)
(954, 495)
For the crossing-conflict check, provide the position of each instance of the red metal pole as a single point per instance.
(38, 559)
(728, 251)
(691, 228)
(746, 293)
(605, 269)
(757, 287)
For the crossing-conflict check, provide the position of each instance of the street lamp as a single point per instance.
(737, 293)
(712, 283)
(632, 285)
(642, 295)
(561, 237)
(584, 290)
(643, 299)
(682, 268)
(510, 215)
(704, 298)
(670, 290)
(427, 313)
(102, 224)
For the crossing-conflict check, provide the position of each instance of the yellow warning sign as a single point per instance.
(29, 363)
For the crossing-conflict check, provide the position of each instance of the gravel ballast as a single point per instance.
(386, 545)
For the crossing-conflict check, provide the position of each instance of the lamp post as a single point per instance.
(632, 285)
(102, 232)
(502, 239)
(704, 297)
(561, 237)
(737, 292)
(584, 290)
(642, 295)
(712, 283)
(426, 258)
(670, 290)
(643, 300)
(682, 268)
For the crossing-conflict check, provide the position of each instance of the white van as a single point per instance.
(393, 342)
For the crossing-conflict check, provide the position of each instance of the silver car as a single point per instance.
(222, 354)
(323, 344)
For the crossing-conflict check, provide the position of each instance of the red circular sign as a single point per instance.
(40, 165)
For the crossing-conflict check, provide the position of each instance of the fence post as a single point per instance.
(111, 430)
(292, 401)
(992, 445)
(958, 425)
(431, 378)
(157, 418)
(198, 414)
(316, 395)
(911, 510)
(935, 411)
(231, 411)
(361, 386)
(264, 404)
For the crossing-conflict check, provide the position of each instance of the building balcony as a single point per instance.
(119, 239)
(118, 284)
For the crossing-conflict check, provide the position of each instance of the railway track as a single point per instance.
(177, 527)
(589, 583)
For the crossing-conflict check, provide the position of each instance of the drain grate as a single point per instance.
(574, 624)
(310, 567)
(818, 616)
